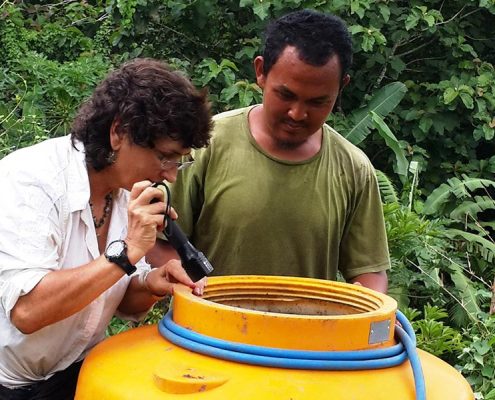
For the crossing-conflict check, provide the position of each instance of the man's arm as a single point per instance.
(373, 280)
(161, 253)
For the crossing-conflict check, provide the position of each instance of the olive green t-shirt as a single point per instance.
(251, 213)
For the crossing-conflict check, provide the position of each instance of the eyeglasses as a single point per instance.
(166, 164)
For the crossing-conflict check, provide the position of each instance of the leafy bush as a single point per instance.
(432, 334)
(41, 97)
(154, 316)
(476, 361)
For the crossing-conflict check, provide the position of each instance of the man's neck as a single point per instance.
(281, 150)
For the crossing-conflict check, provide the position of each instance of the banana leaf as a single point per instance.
(382, 103)
(400, 159)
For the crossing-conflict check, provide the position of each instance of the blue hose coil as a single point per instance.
(303, 359)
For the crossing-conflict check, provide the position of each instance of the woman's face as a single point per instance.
(135, 163)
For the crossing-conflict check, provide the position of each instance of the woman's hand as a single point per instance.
(144, 219)
(160, 281)
(200, 286)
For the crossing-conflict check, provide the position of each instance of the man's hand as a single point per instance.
(374, 280)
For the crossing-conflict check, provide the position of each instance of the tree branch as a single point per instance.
(478, 39)
(385, 66)
(441, 6)
(469, 13)
(424, 59)
(411, 40)
(417, 48)
(454, 17)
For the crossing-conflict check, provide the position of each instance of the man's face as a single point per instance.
(297, 97)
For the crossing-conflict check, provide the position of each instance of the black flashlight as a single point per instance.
(194, 261)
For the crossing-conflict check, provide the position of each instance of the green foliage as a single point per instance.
(416, 245)
(359, 124)
(432, 334)
(456, 200)
(401, 164)
(154, 316)
(439, 201)
(451, 261)
(40, 98)
(387, 189)
(221, 78)
(381, 103)
(476, 361)
(482, 246)
(470, 349)
(49, 69)
(438, 50)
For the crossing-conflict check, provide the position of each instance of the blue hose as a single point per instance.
(300, 359)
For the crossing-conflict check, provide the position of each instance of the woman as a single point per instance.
(77, 222)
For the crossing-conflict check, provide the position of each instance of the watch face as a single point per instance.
(115, 248)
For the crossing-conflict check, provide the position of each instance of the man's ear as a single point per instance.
(116, 135)
(345, 81)
(258, 69)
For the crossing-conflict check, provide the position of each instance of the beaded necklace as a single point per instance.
(106, 211)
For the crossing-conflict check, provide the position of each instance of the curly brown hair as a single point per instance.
(151, 102)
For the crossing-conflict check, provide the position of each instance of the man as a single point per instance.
(77, 221)
(278, 192)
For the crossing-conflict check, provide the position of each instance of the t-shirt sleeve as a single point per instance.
(364, 246)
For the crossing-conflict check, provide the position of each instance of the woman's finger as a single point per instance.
(200, 286)
(173, 214)
(138, 188)
(177, 274)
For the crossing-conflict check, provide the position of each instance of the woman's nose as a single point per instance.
(170, 175)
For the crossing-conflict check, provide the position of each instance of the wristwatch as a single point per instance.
(116, 253)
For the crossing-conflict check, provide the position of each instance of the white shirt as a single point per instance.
(46, 225)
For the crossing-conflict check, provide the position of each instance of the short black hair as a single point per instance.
(151, 101)
(316, 36)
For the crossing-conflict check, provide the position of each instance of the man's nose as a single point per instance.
(298, 112)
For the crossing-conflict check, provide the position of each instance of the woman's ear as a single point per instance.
(116, 136)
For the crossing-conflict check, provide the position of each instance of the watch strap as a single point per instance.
(121, 259)
(126, 265)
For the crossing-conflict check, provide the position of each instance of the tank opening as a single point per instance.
(312, 298)
(290, 305)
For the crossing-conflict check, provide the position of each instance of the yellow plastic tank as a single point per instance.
(284, 316)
